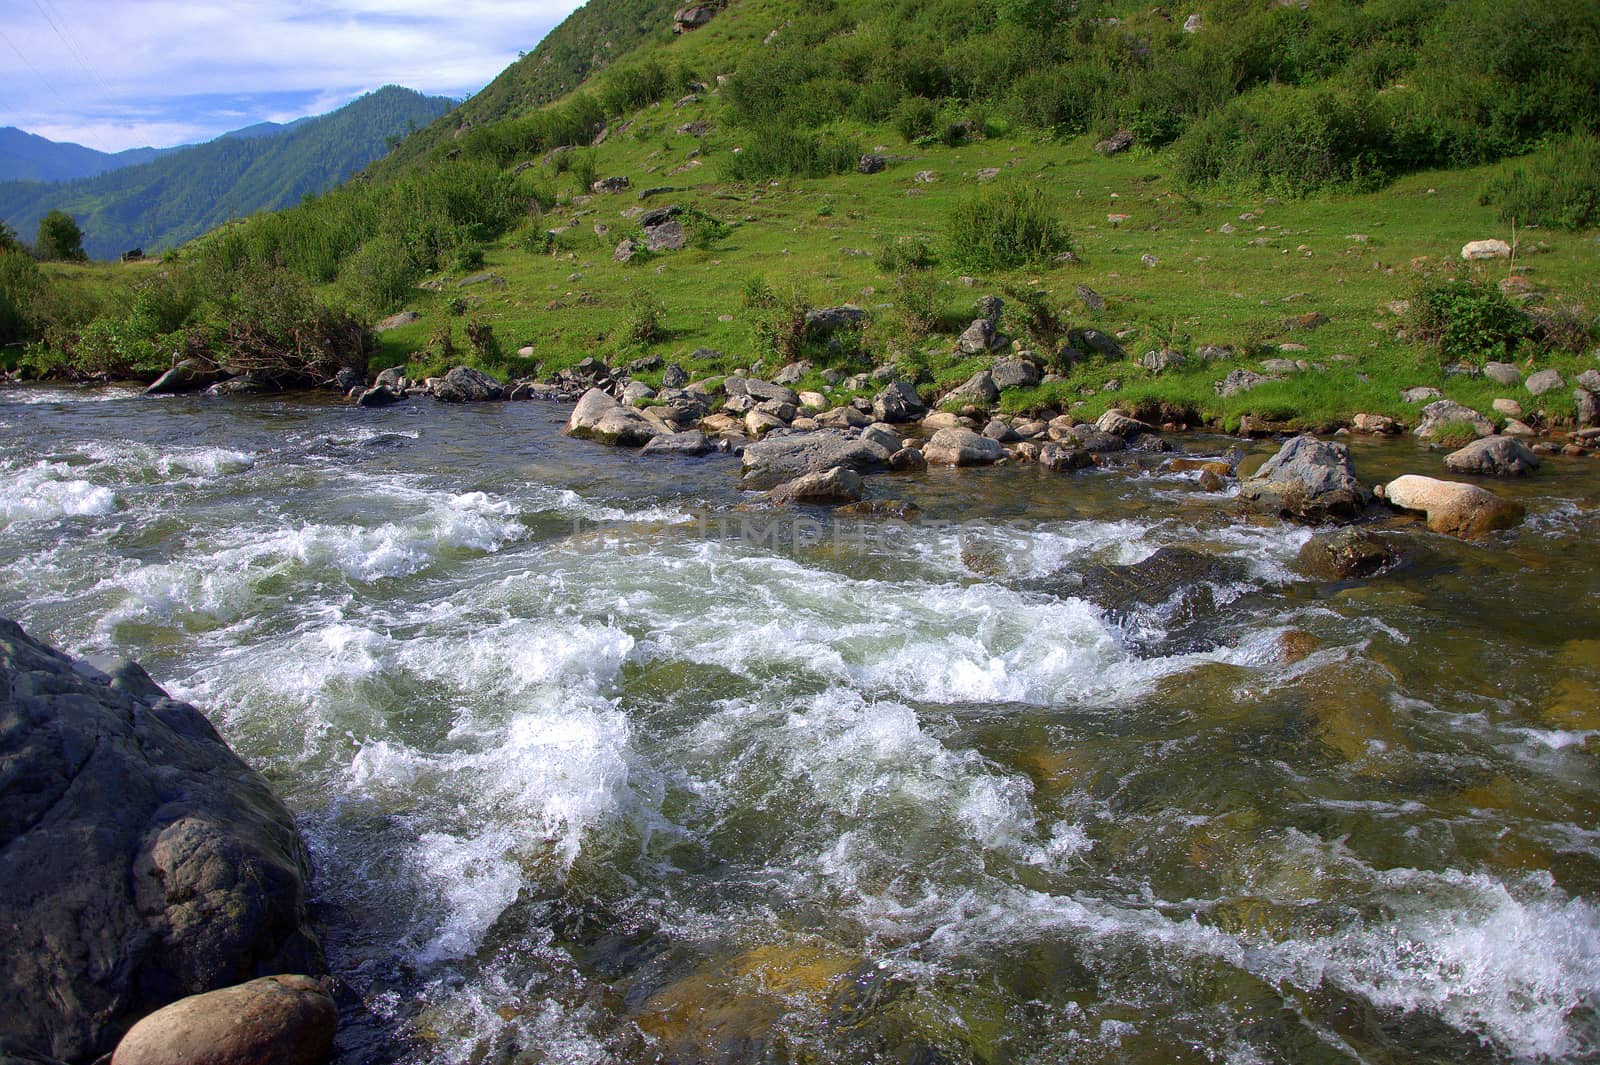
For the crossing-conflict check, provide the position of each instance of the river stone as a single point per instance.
(690, 443)
(783, 458)
(1120, 423)
(899, 403)
(1308, 480)
(636, 392)
(1502, 372)
(961, 447)
(1453, 508)
(379, 396)
(761, 391)
(598, 416)
(189, 375)
(466, 385)
(1056, 457)
(760, 422)
(1500, 456)
(1588, 407)
(1014, 373)
(882, 435)
(908, 460)
(1376, 424)
(845, 417)
(1172, 593)
(276, 1020)
(1444, 412)
(1346, 554)
(1544, 381)
(140, 859)
(834, 485)
(998, 429)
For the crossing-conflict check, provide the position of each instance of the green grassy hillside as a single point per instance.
(1296, 176)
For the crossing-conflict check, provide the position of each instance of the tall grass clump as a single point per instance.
(1004, 226)
(776, 151)
(1559, 188)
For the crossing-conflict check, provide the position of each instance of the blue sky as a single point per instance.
(114, 74)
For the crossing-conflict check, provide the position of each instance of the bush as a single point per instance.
(485, 345)
(1468, 319)
(60, 238)
(916, 118)
(1560, 188)
(904, 254)
(703, 230)
(915, 297)
(754, 292)
(20, 285)
(644, 322)
(774, 151)
(1004, 226)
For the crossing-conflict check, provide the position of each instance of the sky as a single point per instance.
(115, 74)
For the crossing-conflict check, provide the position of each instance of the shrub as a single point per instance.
(1467, 319)
(703, 230)
(915, 118)
(644, 321)
(776, 151)
(485, 345)
(780, 328)
(915, 297)
(60, 238)
(904, 254)
(20, 284)
(1005, 226)
(1045, 324)
(1560, 188)
(754, 292)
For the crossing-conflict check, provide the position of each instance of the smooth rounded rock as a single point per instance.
(276, 1020)
(962, 447)
(1498, 456)
(1451, 507)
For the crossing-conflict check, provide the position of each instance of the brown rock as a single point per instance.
(276, 1020)
(1453, 508)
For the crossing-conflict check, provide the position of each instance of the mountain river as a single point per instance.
(601, 760)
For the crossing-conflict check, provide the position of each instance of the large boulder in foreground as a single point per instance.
(1453, 508)
(140, 860)
(466, 385)
(962, 447)
(1499, 456)
(276, 1020)
(1308, 480)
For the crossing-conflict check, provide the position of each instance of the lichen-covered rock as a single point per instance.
(1498, 456)
(1308, 480)
(140, 860)
(276, 1020)
(1441, 413)
(898, 403)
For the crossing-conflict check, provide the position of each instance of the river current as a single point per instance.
(600, 760)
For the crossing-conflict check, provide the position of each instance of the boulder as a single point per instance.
(397, 321)
(1486, 249)
(1157, 362)
(1097, 342)
(626, 249)
(1308, 480)
(1120, 141)
(1502, 372)
(1589, 380)
(979, 337)
(1241, 381)
(999, 429)
(899, 403)
(1168, 599)
(1420, 394)
(762, 391)
(690, 444)
(1346, 554)
(834, 485)
(1588, 407)
(823, 322)
(140, 860)
(693, 17)
(189, 375)
(609, 184)
(598, 416)
(1500, 456)
(466, 385)
(1014, 373)
(845, 417)
(882, 435)
(276, 1020)
(1118, 423)
(1057, 457)
(667, 236)
(1453, 508)
(962, 447)
(1376, 424)
(759, 423)
(908, 460)
(1544, 381)
(1440, 413)
(379, 396)
(792, 373)
(978, 389)
(871, 163)
(636, 392)
(674, 376)
(783, 458)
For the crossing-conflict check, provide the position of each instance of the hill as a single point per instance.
(27, 156)
(185, 192)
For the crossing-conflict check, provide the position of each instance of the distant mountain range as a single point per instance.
(157, 198)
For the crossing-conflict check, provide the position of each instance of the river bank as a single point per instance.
(600, 757)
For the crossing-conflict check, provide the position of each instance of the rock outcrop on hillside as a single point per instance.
(141, 860)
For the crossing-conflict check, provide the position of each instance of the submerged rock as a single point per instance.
(1308, 480)
(1453, 508)
(190, 375)
(836, 485)
(1346, 554)
(140, 860)
(277, 1020)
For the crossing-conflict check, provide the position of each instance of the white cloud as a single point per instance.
(133, 72)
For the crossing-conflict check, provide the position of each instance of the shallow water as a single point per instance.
(600, 761)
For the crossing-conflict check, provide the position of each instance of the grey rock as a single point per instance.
(396, 321)
(1058, 457)
(990, 308)
(871, 163)
(1308, 480)
(610, 184)
(658, 216)
(907, 460)
(1588, 407)
(1444, 412)
(1544, 381)
(978, 338)
(1120, 141)
(674, 377)
(761, 391)
(1499, 456)
(1420, 394)
(1157, 362)
(782, 458)
(598, 416)
(379, 396)
(140, 860)
(1097, 342)
(189, 375)
(1092, 300)
(1502, 372)
(836, 484)
(999, 430)
(961, 447)
(1213, 353)
(1280, 366)
(690, 443)
(668, 236)
(1014, 372)
(898, 403)
(391, 378)
(1589, 379)
(1239, 381)
(844, 417)
(979, 389)
(626, 249)
(823, 322)
(792, 373)
(636, 393)
(883, 435)
(466, 385)
(1118, 423)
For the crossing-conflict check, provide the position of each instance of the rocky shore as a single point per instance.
(141, 863)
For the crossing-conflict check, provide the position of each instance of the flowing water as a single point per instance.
(600, 761)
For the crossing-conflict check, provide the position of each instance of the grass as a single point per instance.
(1343, 256)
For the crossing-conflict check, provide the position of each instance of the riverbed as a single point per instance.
(602, 760)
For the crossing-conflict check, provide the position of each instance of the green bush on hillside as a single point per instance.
(20, 285)
(1560, 188)
(1004, 226)
(1466, 319)
(774, 151)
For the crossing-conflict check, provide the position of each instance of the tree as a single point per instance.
(8, 238)
(60, 237)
